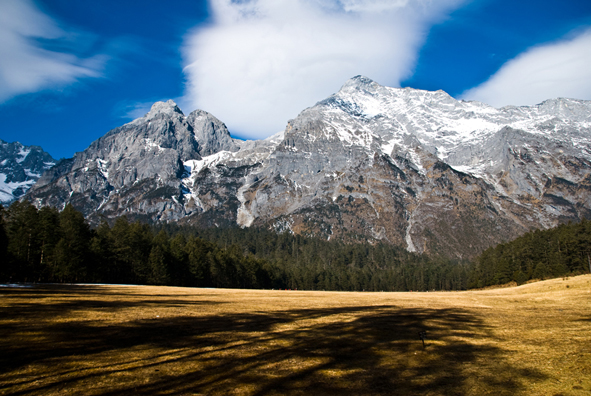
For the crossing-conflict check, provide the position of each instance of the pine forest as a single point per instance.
(46, 245)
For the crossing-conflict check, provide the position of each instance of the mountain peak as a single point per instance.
(359, 82)
(169, 107)
(359, 79)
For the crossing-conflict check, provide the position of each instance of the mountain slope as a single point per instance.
(407, 166)
(20, 167)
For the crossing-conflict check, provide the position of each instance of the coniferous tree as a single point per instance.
(72, 252)
(158, 274)
(48, 237)
(197, 252)
(178, 267)
(106, 268)
(23, 241)
(4, 259)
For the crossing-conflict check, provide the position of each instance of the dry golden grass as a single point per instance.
(105, 340)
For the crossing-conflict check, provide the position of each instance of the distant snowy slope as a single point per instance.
(20, 167)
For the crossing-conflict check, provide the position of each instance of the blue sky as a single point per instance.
(72, 70)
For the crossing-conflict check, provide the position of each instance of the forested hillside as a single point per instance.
(559, 251)
(46, 245)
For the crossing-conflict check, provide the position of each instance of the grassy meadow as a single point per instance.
(534, 339)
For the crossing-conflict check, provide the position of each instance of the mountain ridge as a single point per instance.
(411, 167)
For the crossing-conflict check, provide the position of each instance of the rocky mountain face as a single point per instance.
(406, 166)
(136, 169)
(20, 167)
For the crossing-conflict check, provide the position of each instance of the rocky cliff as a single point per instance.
(135, 169)
(370, 162)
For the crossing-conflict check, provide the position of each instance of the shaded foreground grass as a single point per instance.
(111, 340)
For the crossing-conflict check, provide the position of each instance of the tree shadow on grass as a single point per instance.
(346, 350)
(47, 301)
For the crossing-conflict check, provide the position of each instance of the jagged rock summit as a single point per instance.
(370, 162)
(136, 169)
(20, 167)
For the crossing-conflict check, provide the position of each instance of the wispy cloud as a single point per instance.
(259, 62)
(26, 63)
(560, 69)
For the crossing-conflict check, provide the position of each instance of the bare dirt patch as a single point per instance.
(111, 340)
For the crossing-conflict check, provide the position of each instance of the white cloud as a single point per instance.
(561, 69)
(260, 62)
(25, 66)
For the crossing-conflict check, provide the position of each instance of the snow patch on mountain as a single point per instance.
(22, 154)
(7, 188)
(103, 167)
(193, 167)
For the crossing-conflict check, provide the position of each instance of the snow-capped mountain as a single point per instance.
(20, 167)
(406, 166)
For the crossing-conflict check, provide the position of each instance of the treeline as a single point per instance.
(46, 245)
(559, 251)
(50, 246)
(317, 264)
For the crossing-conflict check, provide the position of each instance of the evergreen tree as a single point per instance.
(158, 269)
(72, 251)
(106, 268)
(48, 237)
(23, 247)
(178, 267)
(4, 259)
(197, 252)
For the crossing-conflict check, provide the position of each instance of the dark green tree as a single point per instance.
(4, 259)
(197, 252)
(23, 244)
(49, 235)
(158, 269)
(72, 252)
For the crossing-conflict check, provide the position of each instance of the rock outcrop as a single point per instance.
(135, 169)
